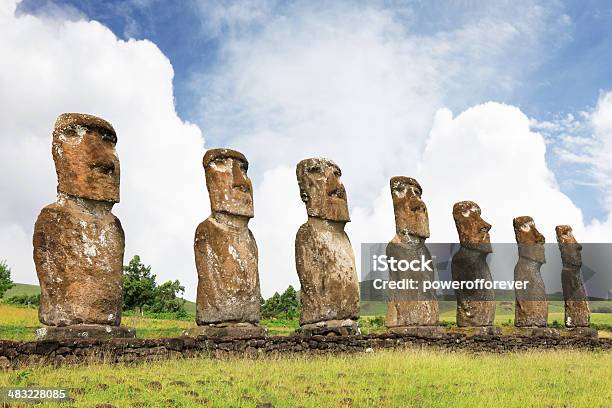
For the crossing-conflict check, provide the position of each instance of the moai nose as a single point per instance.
(239, 178)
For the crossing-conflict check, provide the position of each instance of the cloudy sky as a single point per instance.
(504, 104)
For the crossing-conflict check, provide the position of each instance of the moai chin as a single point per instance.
(228, 295)
(531, 308)
(323, 254)
(475, 308)
(577, 312)
(410, 309)
(78, 242)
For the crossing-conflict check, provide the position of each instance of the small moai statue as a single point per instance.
(78, 242)
(577, 312)
(531, 309)
(475, 307)
(324, 257)
(228, 295)
(410, 310)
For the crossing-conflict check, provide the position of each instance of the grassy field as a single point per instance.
(380, 379)
(20, 323)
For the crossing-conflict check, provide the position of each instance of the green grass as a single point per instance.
(22, 289)
(384, 378)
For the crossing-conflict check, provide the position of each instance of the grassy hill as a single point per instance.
(22, 289)
(27, 289)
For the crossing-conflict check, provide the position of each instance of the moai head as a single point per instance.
(410, 211)
(229, 187)
(321, 189)
(571, 255)
(531, 242)
(86, 163)
(472, 229)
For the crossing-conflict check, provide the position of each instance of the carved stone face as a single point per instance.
(472, 229)
(410, 211)
(531, 242)
(571, 250)
(85, 159)
(229, 187)
(321, 189)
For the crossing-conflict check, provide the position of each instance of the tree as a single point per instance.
(290, 305)
(286, 306)
(166, 299)
(5, 278)
(138, 285)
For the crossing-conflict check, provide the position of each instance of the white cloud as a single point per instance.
(52, 65)
(489, 155)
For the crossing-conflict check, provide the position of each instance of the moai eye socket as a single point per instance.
(526, 227)
(109, 137)
(466, 213)
(337, 172)
(316, 169)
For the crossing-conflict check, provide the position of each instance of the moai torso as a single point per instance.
(323, 254)
(531, 309)
(225, 249)
(577, 312)
(78, 242)
(475, 307)
(410, 307)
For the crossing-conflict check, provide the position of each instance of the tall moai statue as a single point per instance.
(409, 309)
(531, 308)
(577, 312)
(323, 254)
(78, 242)
(475, 307)
(228, 295)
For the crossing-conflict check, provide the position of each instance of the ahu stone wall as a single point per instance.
(78, 351)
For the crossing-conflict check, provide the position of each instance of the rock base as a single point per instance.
(85, 331)
(346, 327)
(233, 330)
(581, 332)
(419, 331)
(479, 330)
(537, 332)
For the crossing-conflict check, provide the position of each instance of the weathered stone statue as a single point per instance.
(323, 254)
(410, 310)
(577, 312)
(531, 305)
(475, 307)
(78, 242)
(228, 296)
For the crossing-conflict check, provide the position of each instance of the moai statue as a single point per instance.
(531, 310)
(410, 310)
(323, 254)
(78, 242)
(228, 296)
(577, 312)
(475, 307)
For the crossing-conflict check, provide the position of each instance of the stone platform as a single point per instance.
(346, 327)
(231, 330)
(85, 331)
(15, 354)
(422, 331)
